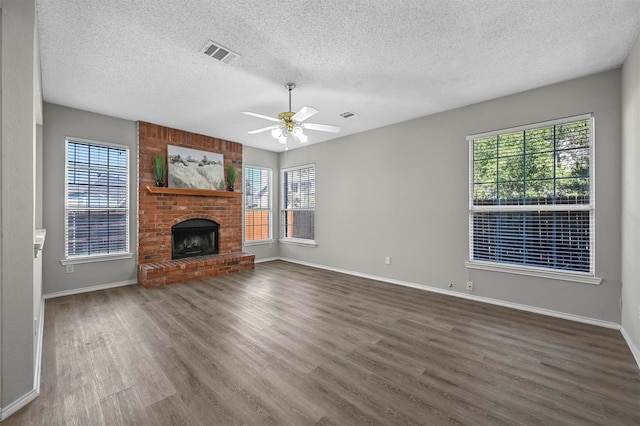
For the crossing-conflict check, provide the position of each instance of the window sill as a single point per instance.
(92, 259)
(535, 272)
(299, 241)
(258, 242)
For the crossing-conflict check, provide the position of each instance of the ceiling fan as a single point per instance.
(292, 123)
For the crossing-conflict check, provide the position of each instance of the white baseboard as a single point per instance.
(270, 259)
(39, 342)
(88, 289)
(489, 300)
(33, 393)
(18, 404)
(634, 349)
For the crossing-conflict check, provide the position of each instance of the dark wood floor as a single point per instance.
(288, 344)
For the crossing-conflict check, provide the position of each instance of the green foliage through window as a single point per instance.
(531, 201)
(547, 165)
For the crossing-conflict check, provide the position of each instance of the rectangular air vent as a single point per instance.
(222, 54)
(348, 114)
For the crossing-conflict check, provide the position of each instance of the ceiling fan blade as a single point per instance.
(304, 113)
(266, 117)
(322, 127)
(264, 129)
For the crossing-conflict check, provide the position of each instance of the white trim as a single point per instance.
(302, 166)
(589, 278)
(39, 342)
(88, 289)
(18, 404)
(534, 272)
(518, 306)
(269, 259)
(35, 392)
(299, 241)
(95, 142)
(585, 116)
(283, 208)
(270, 209)
(634, 349)
(533, 208)
(127, 151)
(96, 258)
(258, 242)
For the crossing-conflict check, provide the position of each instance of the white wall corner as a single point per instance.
(634, 349)
(18, 404)
(35, 392)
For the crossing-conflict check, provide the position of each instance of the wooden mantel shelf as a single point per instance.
(188, 191)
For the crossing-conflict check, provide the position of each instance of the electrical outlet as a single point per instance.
(69, 269)
(387, 260)
(470, 285)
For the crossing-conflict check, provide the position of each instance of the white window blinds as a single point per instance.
(530, 198)
(299, 202)
(257, 195)
(96, 199)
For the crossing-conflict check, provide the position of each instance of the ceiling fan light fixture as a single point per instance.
(292, 123)
(277, 132)
(299, 134)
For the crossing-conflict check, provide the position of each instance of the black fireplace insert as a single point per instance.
(194, 237)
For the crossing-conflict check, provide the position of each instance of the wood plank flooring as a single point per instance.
(292, 345)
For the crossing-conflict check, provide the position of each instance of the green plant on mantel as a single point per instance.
(159, 166)
(232, 173)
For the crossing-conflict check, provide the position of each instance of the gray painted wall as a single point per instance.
(260, 158)
(17, 193)
(402, 191)
(631, 195)
(60, 122)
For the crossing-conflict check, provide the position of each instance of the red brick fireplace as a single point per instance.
(160, 209)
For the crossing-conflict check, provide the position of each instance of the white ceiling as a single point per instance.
(386, 60)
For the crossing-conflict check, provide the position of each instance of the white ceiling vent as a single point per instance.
(222, 54)
(348, 114)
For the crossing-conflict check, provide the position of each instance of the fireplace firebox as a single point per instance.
(194, 237)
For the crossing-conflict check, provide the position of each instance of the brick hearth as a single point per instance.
(158, 212)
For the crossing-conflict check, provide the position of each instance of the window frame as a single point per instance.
(284, 209)
(522, 269)
(125, 254)
(269, 209)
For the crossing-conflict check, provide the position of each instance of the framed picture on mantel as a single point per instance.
(195, 169)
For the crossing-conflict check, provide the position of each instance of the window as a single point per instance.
(96, 199)
(299, 203)
(531, 198)
(257, 204)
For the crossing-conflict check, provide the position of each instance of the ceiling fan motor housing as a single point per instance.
(287, 119)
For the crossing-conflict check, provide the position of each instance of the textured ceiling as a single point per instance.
(387, 60)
